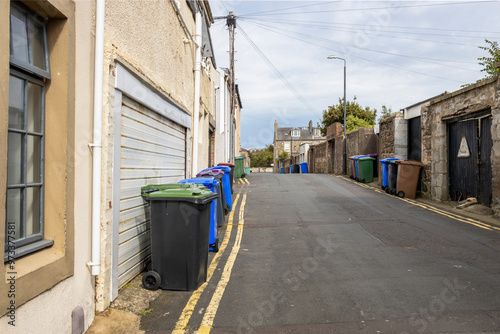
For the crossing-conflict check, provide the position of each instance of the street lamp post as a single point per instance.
(345, 127)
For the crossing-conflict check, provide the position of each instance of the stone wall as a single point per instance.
(320, 158)
(435, 137)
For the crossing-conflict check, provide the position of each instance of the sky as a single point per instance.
(397, 53)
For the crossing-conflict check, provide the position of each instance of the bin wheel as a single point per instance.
(401, 193)
(383, 187)
(226, 209)
(352, 177)
(362, 180)
(387, 190)
(151, 280)
(393, 191)
(216, 245)
(243, 175)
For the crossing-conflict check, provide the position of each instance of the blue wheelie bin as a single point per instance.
(212, 184)
(385, 171)
(303, 167)
(221, 203)
(282, 170)
(226, 183)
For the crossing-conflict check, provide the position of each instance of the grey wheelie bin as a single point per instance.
(180, 223)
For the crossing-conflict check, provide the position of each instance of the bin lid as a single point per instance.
(225, 164)
(206, 181)
(197, 195)
(365, 158)
(409, 162)
(223, 168)
(211, 172)
(387, 160)
(156, 187)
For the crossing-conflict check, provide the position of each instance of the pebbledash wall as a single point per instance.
(148, 73)
(464, 103)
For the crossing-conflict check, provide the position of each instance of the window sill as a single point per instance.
(28, 249)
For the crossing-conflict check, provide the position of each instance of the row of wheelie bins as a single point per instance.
(400, 177)
(362, 167)
(296, 168)
(185, 217)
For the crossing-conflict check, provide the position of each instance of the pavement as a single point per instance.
(133, 302)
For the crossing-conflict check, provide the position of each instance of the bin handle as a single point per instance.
(150, 191)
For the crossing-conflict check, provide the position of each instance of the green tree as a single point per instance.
(386, 112)
(283, 155)
(335, 113)
(262, 158)
(488, 63)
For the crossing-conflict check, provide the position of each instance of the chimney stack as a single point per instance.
(310, 126)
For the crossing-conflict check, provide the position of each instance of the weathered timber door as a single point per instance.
(469, 153)
(414, 139)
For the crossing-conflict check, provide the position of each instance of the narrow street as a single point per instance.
(311, 253)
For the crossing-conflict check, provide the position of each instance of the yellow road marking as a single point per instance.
(191, 304)
(246, 181)
(208, 318)
(433, 209)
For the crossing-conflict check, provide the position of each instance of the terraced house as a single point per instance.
(99, 98)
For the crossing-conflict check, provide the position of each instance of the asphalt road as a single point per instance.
(311, 253)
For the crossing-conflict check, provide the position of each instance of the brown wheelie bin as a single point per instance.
(408, 174)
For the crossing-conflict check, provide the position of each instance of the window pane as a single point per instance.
(32, 211)
(15, 158)
(18, 35)
(14, 212)
(37, 45)
(16, 103)
(33, 162)
(34, 107)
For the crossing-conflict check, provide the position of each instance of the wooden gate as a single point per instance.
(469, 153)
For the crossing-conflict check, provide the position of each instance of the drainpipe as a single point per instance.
(197, 67)
(95, 263)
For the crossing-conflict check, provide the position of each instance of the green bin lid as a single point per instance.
(188, 192)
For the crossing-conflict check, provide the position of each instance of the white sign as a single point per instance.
(464, 152)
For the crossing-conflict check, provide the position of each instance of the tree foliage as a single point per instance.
(386, 112)
(262, 158)
(283, 155)
(355, 113)
(488, 63)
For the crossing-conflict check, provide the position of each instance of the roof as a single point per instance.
(305, 134)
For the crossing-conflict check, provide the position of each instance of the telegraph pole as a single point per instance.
(231, 23)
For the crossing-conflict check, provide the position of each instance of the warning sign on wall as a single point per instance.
(464, 152)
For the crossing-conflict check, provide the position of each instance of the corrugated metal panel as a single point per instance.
(152, 151)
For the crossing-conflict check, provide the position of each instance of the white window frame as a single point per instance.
(287, 147)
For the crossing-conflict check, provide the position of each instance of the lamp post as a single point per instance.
(345, 127)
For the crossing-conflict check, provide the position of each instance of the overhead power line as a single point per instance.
(392, 36)
(314, 37)
(277, 72)
(394, 30)
(367, 59)
(375, 8)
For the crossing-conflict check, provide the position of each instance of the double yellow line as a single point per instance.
(451, 215)
(242, 181)
(208, 318)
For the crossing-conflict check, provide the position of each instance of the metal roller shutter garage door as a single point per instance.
(153, 150)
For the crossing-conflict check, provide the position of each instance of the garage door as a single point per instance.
(153, 150)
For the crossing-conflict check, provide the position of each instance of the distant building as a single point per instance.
(289, 139)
